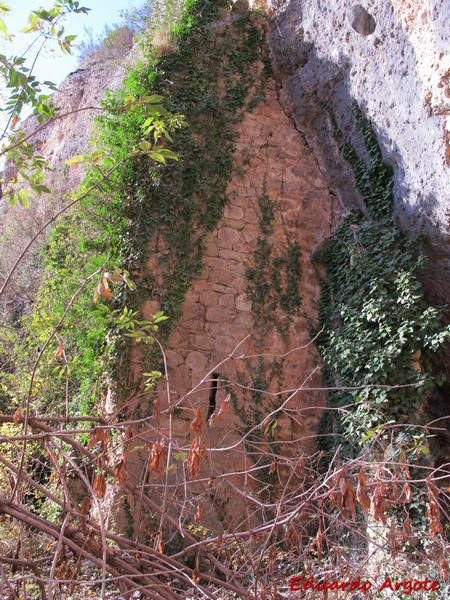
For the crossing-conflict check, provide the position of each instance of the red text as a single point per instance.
(302, 584)
(410, 585)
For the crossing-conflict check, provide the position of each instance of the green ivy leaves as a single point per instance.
(377, 326)
(376, 322)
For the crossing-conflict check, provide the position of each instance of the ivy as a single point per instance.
(374, 178)
(143, 210)
(184, 201)
(378, 331)
(273, 287)
(273, 281)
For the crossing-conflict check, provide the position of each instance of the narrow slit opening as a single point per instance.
(212, 394)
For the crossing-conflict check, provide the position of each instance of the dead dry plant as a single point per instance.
(328, 517)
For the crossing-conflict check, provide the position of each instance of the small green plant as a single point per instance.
(141, 331)
(270, 428)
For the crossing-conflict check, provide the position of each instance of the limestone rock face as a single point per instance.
(361, 20)
(393, 59)
(79, 97)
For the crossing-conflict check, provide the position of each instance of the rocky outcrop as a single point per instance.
(234, 346)
(78, 98)
(392, 59)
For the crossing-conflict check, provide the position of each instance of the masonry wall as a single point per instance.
(236, 334)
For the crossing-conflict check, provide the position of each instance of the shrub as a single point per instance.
(113, 44)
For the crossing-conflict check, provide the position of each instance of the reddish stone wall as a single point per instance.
(217, 313)
(219, 333)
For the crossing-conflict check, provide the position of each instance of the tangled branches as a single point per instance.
(62, 533)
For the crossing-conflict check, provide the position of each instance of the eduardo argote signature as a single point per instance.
(405, 586)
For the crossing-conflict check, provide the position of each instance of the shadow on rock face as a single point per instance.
(334, 64)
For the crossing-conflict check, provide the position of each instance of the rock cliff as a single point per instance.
(233, 345)
(78, 97)
(391, 58)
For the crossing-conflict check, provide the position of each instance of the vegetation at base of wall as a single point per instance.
(378, 331)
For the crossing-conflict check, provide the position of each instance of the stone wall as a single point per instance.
(248, 346)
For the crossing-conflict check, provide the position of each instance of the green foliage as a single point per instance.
(374, 179)
(273, 281)
(79, 343)
(139, 330)
(377, 329)
(144, 198)
(182, 203)
(25, 88)
(375, 323)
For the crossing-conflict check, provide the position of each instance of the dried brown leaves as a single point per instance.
(157, 460)
(121, 473)
(18, 415)
(343, 495)
(361, 492)
(197, 449)
(433, 511)
(99, 485)
(380, 499)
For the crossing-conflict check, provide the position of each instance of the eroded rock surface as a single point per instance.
(79, 98)
(391, 57)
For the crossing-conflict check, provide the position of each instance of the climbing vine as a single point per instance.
(273, 287)
(373, 177)
(149, 207)
(273, 280)
(378, 332)
(179, 204)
